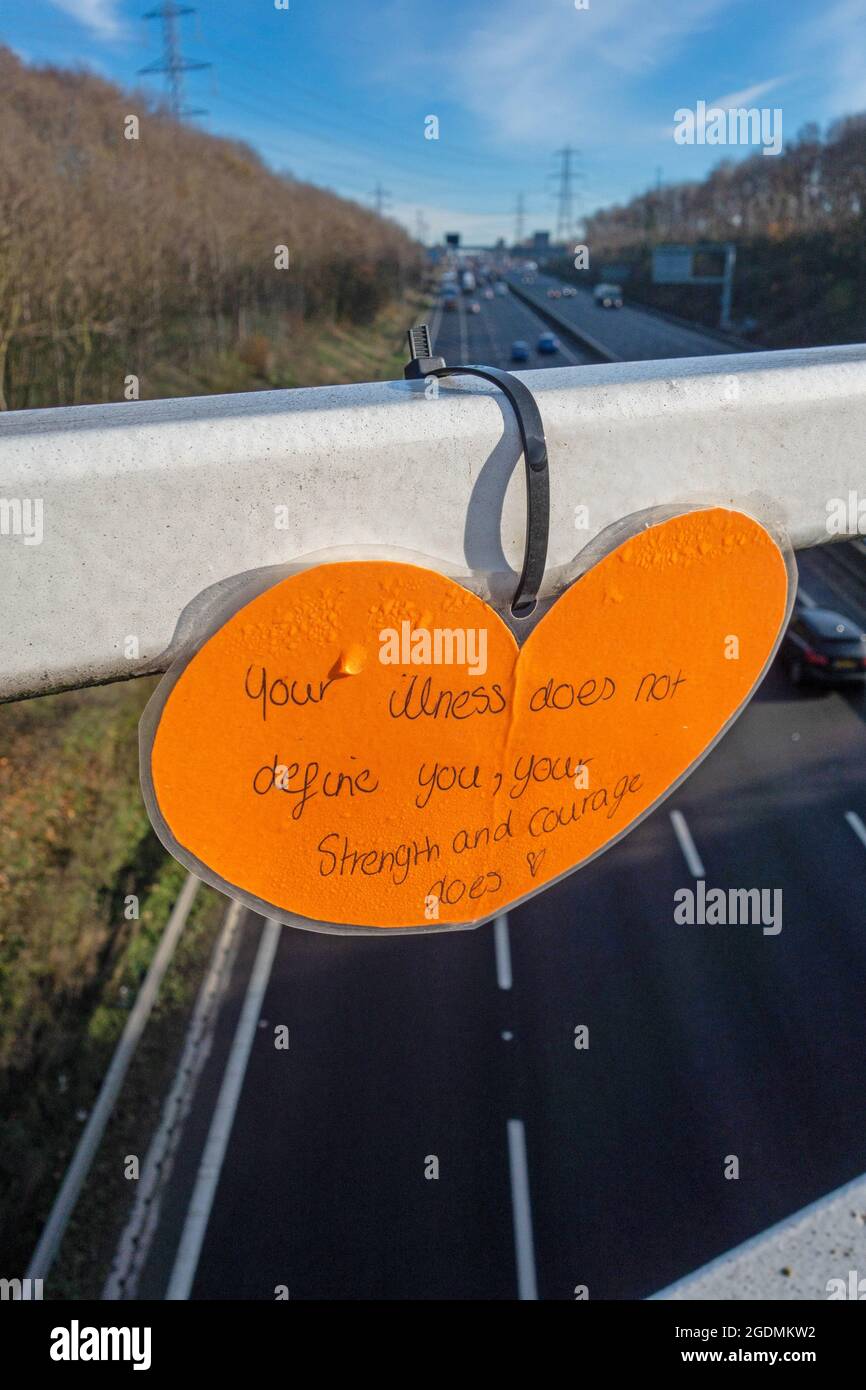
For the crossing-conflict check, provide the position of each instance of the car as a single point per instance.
(501, 287)
(529, 279)
(449, 304)
(519, 351)
(548, 342)
(568, 291)
(488, 293)
(554, 294)
(824, 647)
(475, 307)
(608, 296)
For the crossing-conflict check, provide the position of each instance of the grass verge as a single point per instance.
(86, 889)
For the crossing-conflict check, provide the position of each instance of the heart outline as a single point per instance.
(586, 562)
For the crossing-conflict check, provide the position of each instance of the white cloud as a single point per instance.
(735, 101)
(832, 44)
(101, 17)
(532, 73)
(748, 95)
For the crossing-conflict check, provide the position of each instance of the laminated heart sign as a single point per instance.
(366, 746)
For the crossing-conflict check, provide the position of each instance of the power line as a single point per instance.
(173, 64)
(519, 219)
(380, 198)
(564, 202)
(329, 102)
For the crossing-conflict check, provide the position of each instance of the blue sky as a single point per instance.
(337, 91)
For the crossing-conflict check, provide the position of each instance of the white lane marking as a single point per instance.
(524, 1249)
(64, 1203)
(195, 1226)
(687, 844)
(805, 598)
(502, 944)
(136, 1239)
(464, 335)
(435, 325)
(856, 825)
(498, 354)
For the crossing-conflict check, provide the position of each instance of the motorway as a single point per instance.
(561, 1167)
(631, 333)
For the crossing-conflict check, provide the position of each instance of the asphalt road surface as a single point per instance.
(561, 1167)
(461, 336)
(632, 333)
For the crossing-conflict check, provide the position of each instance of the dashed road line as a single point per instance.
(464, 335)
(521, 1210)
(687, 844)
(502, 944)
(856, 825)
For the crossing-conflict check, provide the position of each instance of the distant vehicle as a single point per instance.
(529, 279)
(467, 282)
(568, 291)
(488, 293)
(608, 296)
(548, 342)
(501, 287)
(519, 351)
(554, 294)
(449, 304)
(823, 646)
(475, 307)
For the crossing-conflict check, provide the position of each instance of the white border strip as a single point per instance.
(198, 1215)
(64, 1204)
(136, 1239)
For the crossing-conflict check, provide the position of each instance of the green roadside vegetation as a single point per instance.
(179, 261)
(75, 844)
(798, 221)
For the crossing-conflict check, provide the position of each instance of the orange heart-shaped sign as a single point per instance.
(365, 744)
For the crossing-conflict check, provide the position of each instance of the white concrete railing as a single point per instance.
(145, 505)
(817, 1253)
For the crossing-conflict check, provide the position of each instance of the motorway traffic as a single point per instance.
(632, 333)
(548, 1106)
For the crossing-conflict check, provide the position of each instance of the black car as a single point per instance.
(824, 646)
